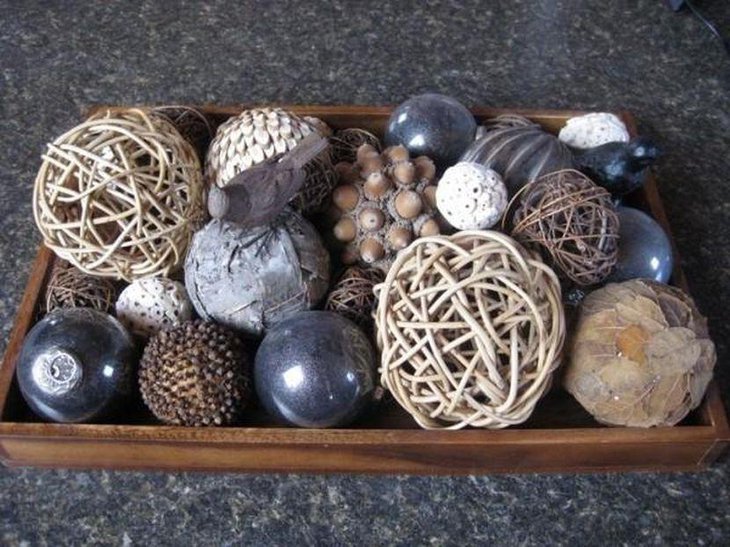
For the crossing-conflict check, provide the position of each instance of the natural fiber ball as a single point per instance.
(259, 134)
(471, 328)
(574, 224)
(640, 356)
(382, 204)
(471, 196)
(250, 279)
(195, 374)
(353, 296)
(149, 305)
(192, 124)
(119, 195)
(69, 287)
(345, 142)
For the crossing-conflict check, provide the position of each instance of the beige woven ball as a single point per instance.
(471, 328)
(259, 134)
(119, 196)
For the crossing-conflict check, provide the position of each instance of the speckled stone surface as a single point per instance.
(587, 54)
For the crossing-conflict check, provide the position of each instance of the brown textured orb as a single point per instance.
(69, 287)
(353, 296)
(196, 374)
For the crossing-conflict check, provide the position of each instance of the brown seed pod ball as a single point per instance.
(69, 287)
(573, 222)
(195, 374)
(353, 296)
(345, 143)
(388, 205)
(641, 355)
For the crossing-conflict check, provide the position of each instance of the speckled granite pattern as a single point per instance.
(588, 54)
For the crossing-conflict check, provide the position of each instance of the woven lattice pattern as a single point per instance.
(119, 195)
(471, 328)
(353, 297)
(573, 222)
(69, 287)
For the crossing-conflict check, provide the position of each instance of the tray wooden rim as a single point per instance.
(714, 433)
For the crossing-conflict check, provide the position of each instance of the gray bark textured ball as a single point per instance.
(250, 279)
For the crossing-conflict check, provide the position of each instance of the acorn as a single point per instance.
(371, 164)
(346, 197)
(429, 196)
(371, 250)
(400, 237)
(365, 151)
(425, 168)
(195, 374)
(408, 204)
(397, 153)
(371, 219)
(404, 173)
(429, 228)
(345, 229)
(376, 185)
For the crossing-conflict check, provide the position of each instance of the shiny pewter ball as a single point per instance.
(433, 125)
(644, 250)
(76, 365)
(315, 369)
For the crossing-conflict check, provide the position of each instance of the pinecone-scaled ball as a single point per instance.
(259, 134)
(195, 374)
(383, 202)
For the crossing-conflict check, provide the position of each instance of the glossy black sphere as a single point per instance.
(434, 125)
(76, 365)
(316, 369)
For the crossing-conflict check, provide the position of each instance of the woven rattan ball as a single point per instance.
(353, 296)
(471, 328)
(574, 224)
(69, 287)
(119, 195)
(192, 124)
(345, 142)
(195, 374)
(259, 134)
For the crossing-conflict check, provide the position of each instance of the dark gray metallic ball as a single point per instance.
(644, 249)
(434, 125)
(316, 369)
(77, 365)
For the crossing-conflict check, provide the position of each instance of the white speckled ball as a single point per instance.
(593, 129)
(471, 196)
(151, 304)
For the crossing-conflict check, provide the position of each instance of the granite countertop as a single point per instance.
(58, 58)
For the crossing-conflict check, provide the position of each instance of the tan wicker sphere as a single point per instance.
(471, 328)
(259, 134)
(119, 196)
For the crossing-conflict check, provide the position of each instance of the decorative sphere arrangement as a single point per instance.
(470, 328)
(641, 355)
(195, 374)
(260, 134)
(574, 224)
(315, 369)
(77, 365)
(644, 248)
(120, 195)
(382, 203)
(432, 125)
(69, 287)
(149, 305)
(250, 279)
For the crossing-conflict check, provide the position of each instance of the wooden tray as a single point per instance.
(559, 437)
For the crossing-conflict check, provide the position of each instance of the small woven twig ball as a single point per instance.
(574, 224)
(69, 287)
(353, 296)
(118, 196)
(345, 142)
(471, 328)
(259, 134)
(192, 124)
(195, 374)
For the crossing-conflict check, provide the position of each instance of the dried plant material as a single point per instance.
(353, 296)
(192, 124)
(640, 355)
(345, 143)
(574, 224)
(471, 329)
(69, 287)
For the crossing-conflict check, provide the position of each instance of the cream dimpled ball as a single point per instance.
(152, 304)
(595, 129)
(471, 196)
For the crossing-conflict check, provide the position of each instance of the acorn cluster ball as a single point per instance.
(383, 202)
(195, 374)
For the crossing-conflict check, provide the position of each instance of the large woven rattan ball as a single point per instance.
(471, 328)
(573, 222)
(259, 134)
(119, 195)
(195, 374)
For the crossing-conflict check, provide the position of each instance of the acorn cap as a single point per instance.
(195, 374)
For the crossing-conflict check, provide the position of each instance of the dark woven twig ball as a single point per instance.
(574, 224)
(353, 296)
(69, 287)
(195, 374)
(345, 142)
(192, 124)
